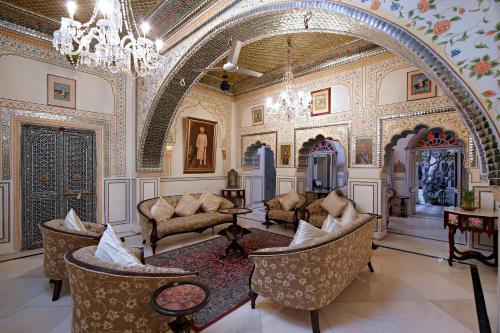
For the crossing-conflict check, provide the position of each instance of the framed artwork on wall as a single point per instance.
(285, 154)
(61, 91)
(364, 151)
(419, 86)
(256, 161)
(320, 100)
(200, 146)
(258, 115)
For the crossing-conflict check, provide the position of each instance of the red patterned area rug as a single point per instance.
(228, 279)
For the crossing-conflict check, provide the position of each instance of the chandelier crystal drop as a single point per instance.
(98, 42)
(292, 103)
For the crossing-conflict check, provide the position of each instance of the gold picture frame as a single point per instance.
(321, 101)
(285, 154)
(61, 91)
(200, 146)
(258, 115)
(419, 86)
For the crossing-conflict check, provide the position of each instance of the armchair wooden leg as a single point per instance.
(315, 321)
(153, 247)
(370, 267)
(253, 298)
(57, 289)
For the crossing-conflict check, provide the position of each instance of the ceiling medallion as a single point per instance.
(292, 103)
(98, 43)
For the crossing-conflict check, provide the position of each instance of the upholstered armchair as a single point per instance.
(276, 213)
(310, 276)
(57, 240)
(315, 214)
(113, 298)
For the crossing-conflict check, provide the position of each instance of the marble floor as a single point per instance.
(407, 293)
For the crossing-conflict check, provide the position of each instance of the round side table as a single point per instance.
(179, 299)
(235, 211)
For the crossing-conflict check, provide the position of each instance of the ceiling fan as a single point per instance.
(231, 66)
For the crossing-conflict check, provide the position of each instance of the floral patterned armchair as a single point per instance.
(310, 276)
(277, 214)
(315, 214)
(57, 240)
(112, 298)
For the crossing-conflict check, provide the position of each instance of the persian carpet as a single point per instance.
(228, 279)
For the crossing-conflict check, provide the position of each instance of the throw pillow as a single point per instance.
(187, 205)
(306, 232)
(111, 249)
(289, 201)
(331, 224)
(162, 210)
(210, 202)
(334, 204)
(349, 215)
(73, 222)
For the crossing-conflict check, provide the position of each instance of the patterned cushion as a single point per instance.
(192, 222)
(282, 215)
(162, 210)
(306, 232)
(210, 202)
(187, 205)
(289, 201)
(349, 215)
(334, 204)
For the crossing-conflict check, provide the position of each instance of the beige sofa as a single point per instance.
(112, 298)
(152, 231)
(309, 276)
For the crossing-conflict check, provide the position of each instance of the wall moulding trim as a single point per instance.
(5, 204)
(126, 204)
(374, 187)
(190, 179)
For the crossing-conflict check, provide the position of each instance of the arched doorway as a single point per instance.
(259, 173)
(265, 21)
(324, 161)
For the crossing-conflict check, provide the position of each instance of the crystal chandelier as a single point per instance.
(292, 103)
(98, 43)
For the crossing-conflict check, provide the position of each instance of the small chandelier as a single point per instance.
(98, 43)
(292, 103)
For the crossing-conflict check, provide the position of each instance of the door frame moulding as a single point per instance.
(16, 123)
(325, 18)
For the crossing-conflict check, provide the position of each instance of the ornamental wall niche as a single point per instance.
(113, 124)
(269, 139)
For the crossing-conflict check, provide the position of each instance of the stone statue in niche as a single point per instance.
(232, 179)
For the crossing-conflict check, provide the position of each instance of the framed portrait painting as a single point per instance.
(364, 151)
(61, 91)
(200, 146)
(285, 154)
(320, 100)
(258, 115)
(419, 86)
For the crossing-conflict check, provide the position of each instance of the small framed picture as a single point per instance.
(61, 91)
(320, 100)
(258, 115)
(419, 86)
(364, 151)
(285, 154)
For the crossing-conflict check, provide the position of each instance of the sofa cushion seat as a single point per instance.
(191, 223)
(282, 215)
(317, 220)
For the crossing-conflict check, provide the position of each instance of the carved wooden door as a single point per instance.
(58, 172)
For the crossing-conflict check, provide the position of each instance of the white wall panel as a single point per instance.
(284, 185)
(116, 201)
(192, 185)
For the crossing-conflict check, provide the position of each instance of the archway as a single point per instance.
(323, 159)
(259, 173)
(267, 20)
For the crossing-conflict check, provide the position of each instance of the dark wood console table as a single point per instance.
(480, 221)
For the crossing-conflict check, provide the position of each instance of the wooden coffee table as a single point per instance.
(234, 233)
(180, 299)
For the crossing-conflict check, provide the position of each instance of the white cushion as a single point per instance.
(73, 222)
(111, 249)
(349, 215)
(331, 224)
(334, 204)
(162, 210)
(306, 232)
(290, 200)
(187, 205)
(210, 202)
